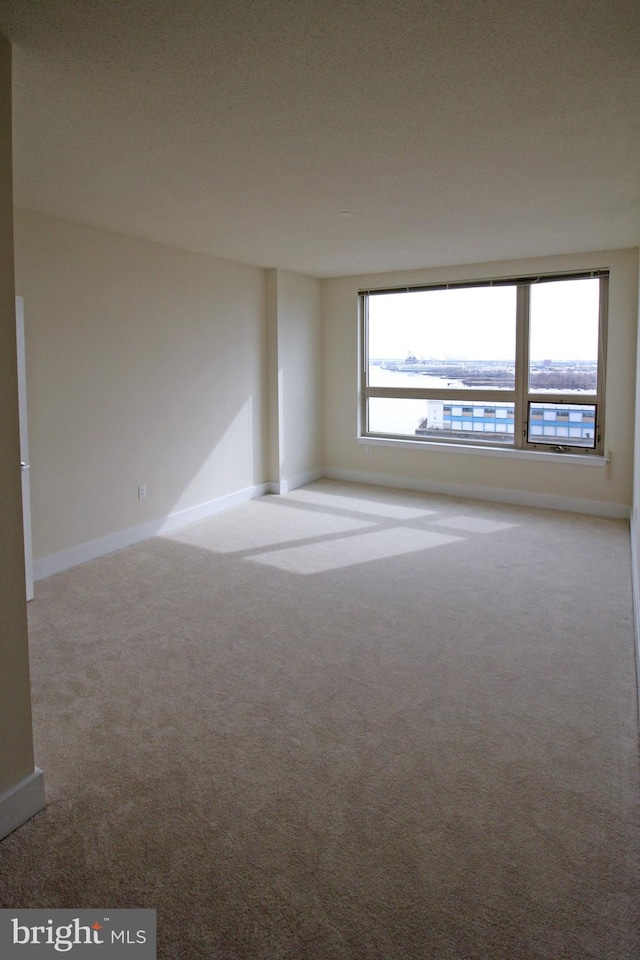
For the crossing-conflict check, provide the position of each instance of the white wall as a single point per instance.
(295, 375)
(145, 365)
(18, 798)
(606, 489)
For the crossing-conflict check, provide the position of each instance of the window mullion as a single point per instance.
(603, 320)
(522, 364)
(364, 371)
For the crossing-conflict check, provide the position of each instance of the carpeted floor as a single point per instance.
(347, 722)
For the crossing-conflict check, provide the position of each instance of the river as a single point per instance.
(388, 415)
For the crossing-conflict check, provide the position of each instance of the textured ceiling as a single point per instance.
(330, 136)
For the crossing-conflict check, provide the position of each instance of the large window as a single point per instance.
(516, 363)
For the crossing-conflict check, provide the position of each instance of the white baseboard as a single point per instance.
(65, 559)
(521, 498)
(73, 557)
(286, 486)
(21, 802)
(635, 589)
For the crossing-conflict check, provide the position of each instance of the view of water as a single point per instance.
(379, 377)
(401, 416)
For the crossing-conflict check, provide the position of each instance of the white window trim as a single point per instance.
(457, 447)
(527, 450)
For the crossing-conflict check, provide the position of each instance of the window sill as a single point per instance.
(542, 456)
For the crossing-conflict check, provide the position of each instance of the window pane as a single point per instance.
(461, 339)
(567, 424)
(563, 336)
(395, 416)
(442, 420)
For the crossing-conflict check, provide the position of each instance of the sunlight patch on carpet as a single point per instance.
(472, 524)
(346, 552)
(376, 508)
(262, 533)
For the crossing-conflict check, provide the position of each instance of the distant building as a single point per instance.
(570, 424)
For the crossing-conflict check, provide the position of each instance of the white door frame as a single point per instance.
(24, 447)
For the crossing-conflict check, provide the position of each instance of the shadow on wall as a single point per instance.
(145, 366)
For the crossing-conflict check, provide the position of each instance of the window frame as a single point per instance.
(521, 396)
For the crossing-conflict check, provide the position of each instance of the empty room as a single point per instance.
(320, 478)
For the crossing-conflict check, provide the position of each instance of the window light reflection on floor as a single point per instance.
(374, 508)
(321, 557)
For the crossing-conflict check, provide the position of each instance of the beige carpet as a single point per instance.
(344, 723)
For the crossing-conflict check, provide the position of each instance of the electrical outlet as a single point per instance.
(142, 491)
(368, 448)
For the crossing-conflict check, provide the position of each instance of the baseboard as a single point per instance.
(73, 557)
(635, 590)
(523, 498)
(286, 486)
(184, 517)
(21, 802)
(65, 559)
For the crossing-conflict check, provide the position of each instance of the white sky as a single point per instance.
(478, 323)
